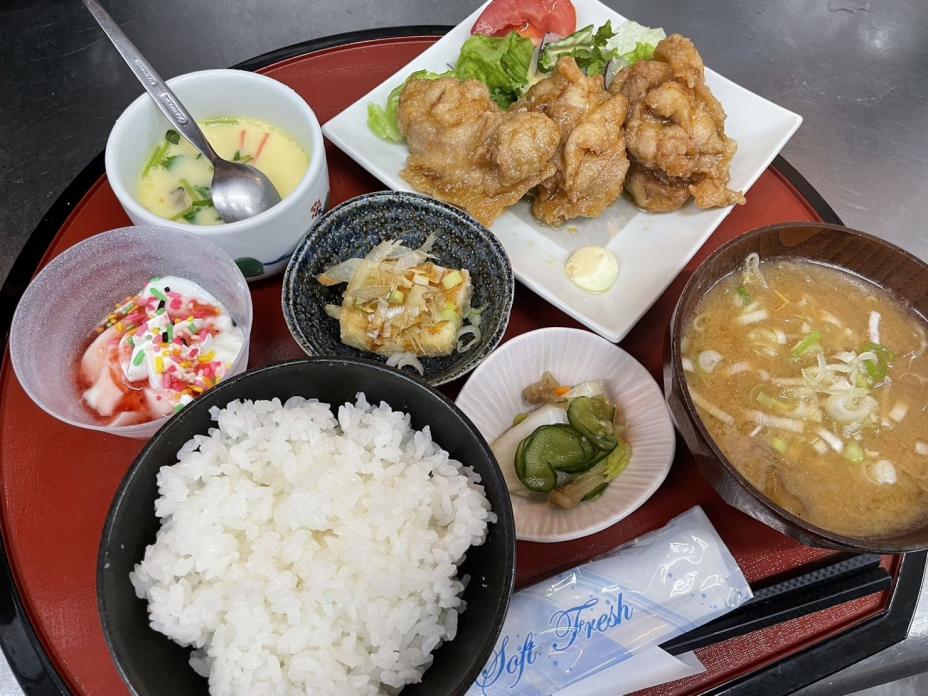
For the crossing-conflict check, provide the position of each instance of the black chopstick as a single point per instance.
(835, 583)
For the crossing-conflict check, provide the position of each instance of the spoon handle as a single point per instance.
(166, 100)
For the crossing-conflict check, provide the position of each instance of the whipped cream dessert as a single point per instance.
(156, 352)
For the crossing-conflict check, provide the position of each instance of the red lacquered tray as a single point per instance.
(56, 482)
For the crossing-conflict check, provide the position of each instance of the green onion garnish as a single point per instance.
(854, 452)
(220, 119)
(189, 190)
(808, 344)
(155, 158)
(884, 356)
(744, 295)
(769, 402)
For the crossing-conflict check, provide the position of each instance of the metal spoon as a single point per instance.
(238, 191)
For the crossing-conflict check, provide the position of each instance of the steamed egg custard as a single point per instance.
(175, 183)
(814, 384)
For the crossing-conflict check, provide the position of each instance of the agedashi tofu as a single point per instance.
(416, 318)
(399, 301)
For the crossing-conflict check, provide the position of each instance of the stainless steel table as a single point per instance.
(857, 71)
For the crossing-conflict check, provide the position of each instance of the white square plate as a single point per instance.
(652, 249)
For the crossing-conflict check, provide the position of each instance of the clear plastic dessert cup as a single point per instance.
(70, 297)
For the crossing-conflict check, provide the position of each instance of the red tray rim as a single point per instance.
(35, 671)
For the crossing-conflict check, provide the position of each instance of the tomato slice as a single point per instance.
(531, 18)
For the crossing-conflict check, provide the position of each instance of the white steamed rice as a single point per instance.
(303, 554)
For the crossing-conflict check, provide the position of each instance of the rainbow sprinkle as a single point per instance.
(175, 333)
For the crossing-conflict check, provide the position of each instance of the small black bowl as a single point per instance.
(152, 664)
(355, 227)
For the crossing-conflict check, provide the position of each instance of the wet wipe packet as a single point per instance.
(594, 616)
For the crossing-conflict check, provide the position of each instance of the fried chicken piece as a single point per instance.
(684, 60)
(523, 149)
(591, 167)
(635, 84)
(464, 150)
(652, 193)
(675, 129)
(591, 160)
(565, 96)
(713, 193)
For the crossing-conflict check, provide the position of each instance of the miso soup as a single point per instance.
(814, 383)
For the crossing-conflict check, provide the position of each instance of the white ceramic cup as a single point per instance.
(261, 245)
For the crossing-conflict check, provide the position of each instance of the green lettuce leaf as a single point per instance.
(600, 55)
(630, 34)
(382, 120)
(633, 42)
(580, 41)
(587, 46)
(502, 64)
(642, 51)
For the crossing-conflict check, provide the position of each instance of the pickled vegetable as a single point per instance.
(572, 462)
(593, 417)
